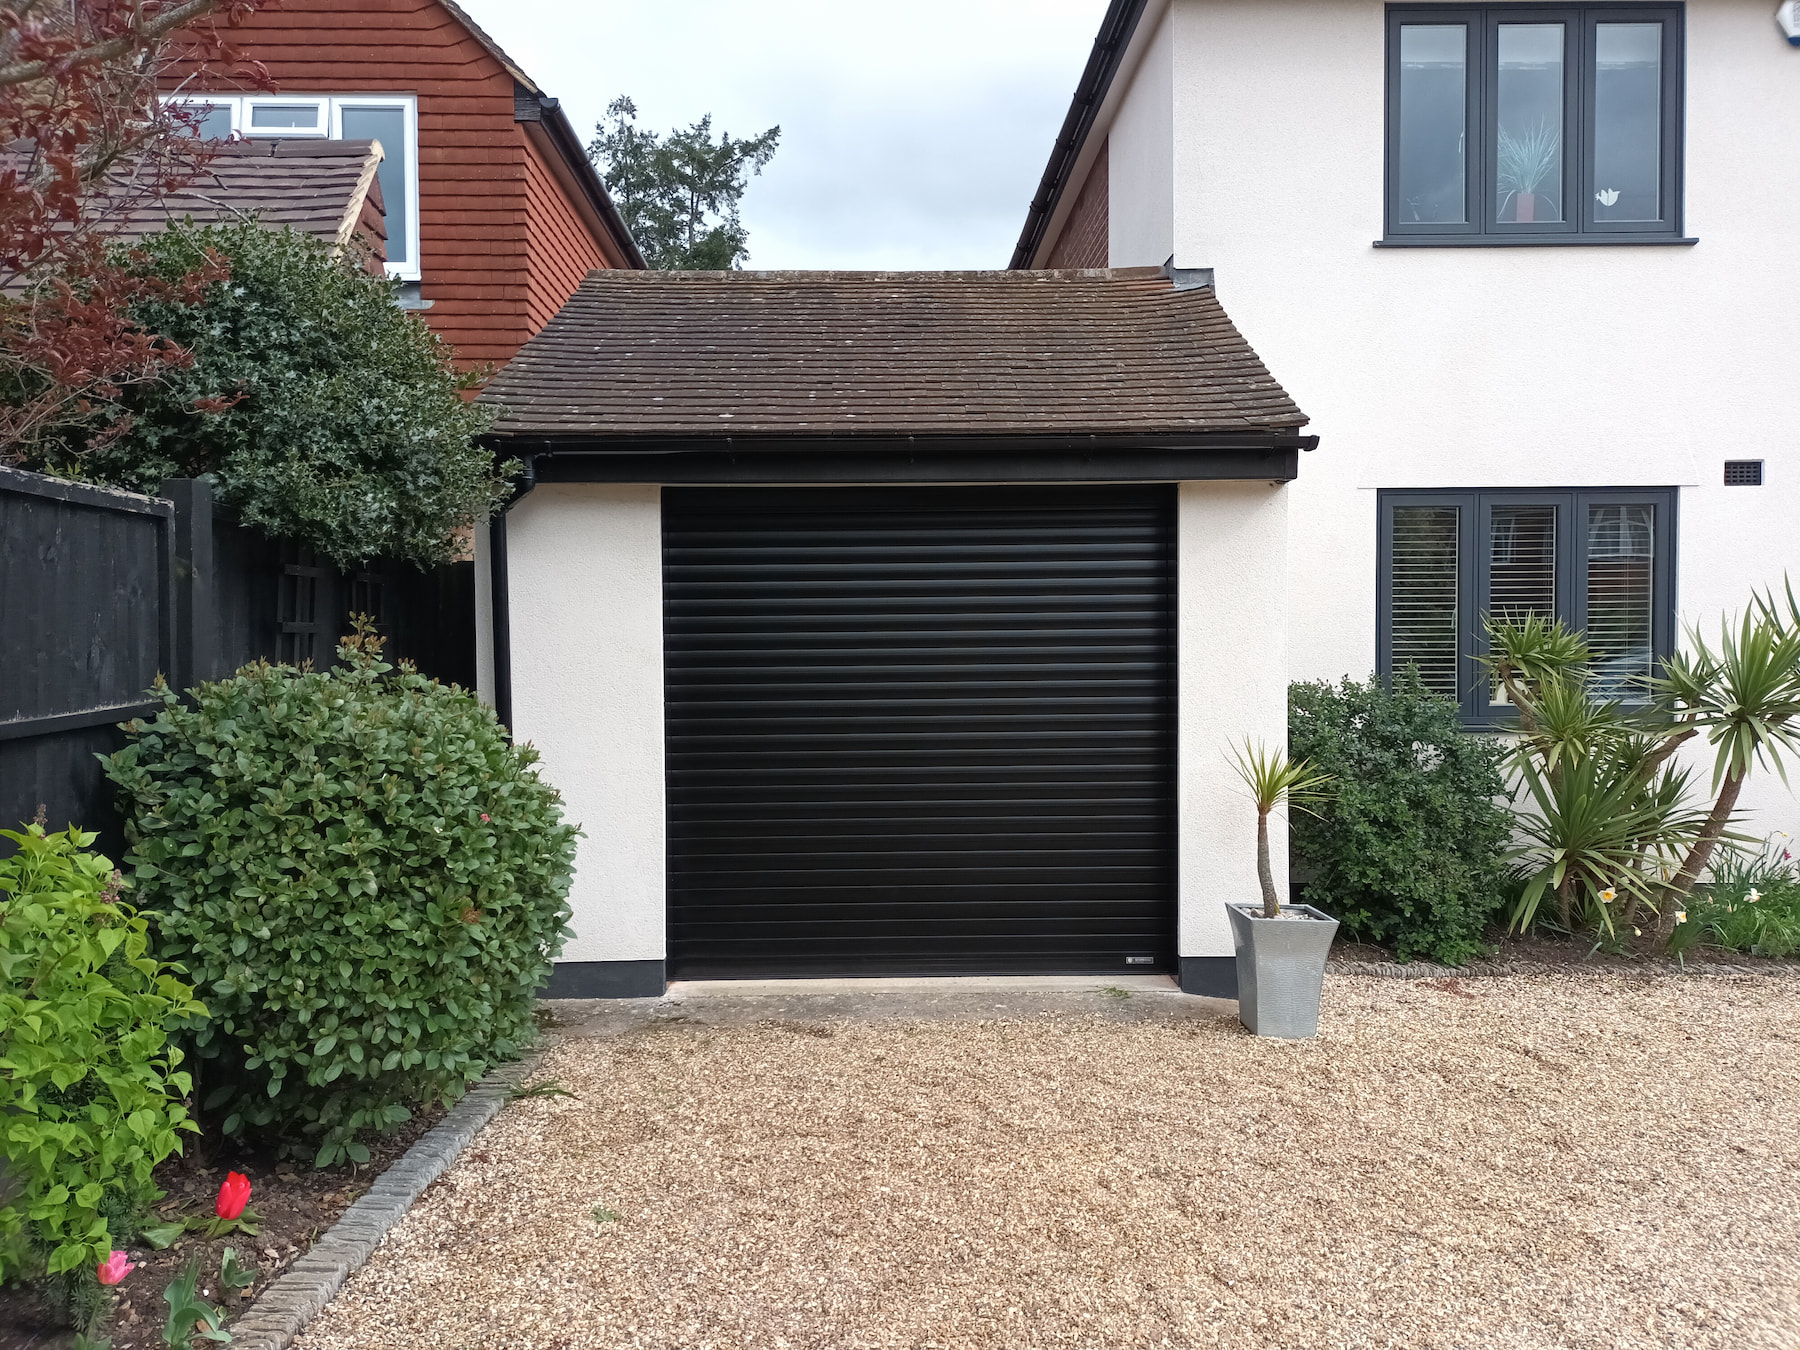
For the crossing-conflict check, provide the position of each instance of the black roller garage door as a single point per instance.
(919, 731)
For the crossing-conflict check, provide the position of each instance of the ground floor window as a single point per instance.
(1601, 559)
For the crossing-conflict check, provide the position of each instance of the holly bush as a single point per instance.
(91, 1098)
(1409, 851)
(366, 879)
(322, 411)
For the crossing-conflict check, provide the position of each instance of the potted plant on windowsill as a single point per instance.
(1281, 949)
(1525, 164)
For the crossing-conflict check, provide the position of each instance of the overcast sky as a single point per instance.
(912, 135)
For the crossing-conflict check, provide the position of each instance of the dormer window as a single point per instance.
(1509, 125)
(392, 119)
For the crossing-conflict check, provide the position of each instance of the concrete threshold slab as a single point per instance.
(938, 984)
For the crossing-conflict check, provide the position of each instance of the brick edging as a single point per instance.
(286, 1306)
(1426, 970)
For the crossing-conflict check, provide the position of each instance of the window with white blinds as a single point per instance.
(1621, 594)
(1424, 606)
(1602, 560)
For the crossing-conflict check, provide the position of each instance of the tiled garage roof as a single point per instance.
(778, 354)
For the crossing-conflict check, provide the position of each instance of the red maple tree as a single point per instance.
(87, 141)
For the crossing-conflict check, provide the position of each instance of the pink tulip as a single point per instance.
(234, 1194)
(114, 1268)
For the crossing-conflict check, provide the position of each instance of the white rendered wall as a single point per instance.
(1231, 662)
(584, 582)
(1487, 367)
(1140, 174)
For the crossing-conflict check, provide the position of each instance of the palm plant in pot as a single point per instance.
(1281, 949)
(1525, 164)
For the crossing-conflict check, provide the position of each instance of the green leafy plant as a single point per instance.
(1750, 903)
(190, 1316)
(368, 880)
(601, 1214)
(548, 1088)
(90, 1085)
(1409, 851)
(1274, 780)
(233, 1275)
(323, 412)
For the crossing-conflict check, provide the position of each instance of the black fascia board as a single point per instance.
(1150, 458)
(1116, 29)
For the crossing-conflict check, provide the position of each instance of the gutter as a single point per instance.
(1115, 34)
(500, 599)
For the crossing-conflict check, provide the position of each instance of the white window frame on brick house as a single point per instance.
(242, 109)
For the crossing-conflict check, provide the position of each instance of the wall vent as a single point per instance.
(1743, 473)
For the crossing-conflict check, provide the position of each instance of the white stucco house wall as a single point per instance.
(1529, 270)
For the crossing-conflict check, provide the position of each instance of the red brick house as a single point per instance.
(493, 212)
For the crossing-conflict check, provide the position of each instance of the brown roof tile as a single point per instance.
(682, 354)
(322, 188)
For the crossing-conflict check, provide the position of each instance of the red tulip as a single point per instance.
(234, 1194)
(114, 1269)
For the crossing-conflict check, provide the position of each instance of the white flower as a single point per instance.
(1607, 196)
(1754, 895)
(1608, 895)
(1681, 916)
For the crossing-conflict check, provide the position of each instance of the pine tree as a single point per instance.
(679, 195)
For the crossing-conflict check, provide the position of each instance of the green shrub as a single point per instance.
(1409, 850)
(366, 879)
(323, 412)
(90, 1092)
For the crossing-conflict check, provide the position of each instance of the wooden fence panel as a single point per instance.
(101, 590)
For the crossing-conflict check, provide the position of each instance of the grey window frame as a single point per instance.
(1475, 507)
(1481, 110)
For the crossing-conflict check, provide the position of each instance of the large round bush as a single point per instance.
(366, 881)
(1409, 849)
(322, 411)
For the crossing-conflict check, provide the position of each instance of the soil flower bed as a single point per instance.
(1548, 1161)
(296, 1205)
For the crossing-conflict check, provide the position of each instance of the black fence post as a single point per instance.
(196, 611)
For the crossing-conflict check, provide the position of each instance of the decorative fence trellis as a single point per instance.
(101, 590)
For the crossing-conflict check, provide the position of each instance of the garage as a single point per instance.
(919, 731)
(893, 624)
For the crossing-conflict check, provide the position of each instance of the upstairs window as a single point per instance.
(1602, 560)
(1521, 125)
(392, 119)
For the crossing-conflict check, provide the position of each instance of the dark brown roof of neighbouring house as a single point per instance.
(796, 354)
(327, 189)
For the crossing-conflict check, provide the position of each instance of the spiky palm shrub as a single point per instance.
(1612, 813)
(1272, 780)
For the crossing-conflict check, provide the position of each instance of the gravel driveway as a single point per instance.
(1550, 1162)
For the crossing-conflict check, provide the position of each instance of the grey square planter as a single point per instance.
(1281, 968)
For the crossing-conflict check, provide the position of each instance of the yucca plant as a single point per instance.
(1612, 817)
(1602, 836)
(1272, 780)
(1745, 698)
